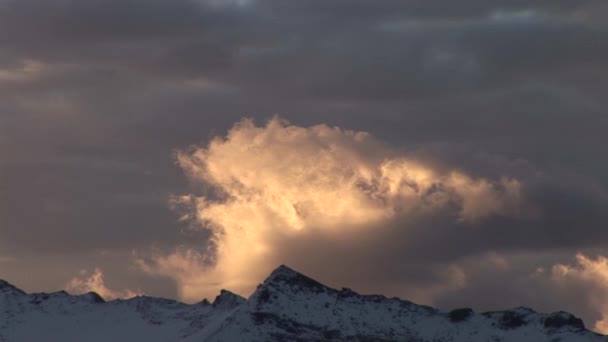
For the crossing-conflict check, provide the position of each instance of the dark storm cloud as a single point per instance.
(96, 95)
(396, 52)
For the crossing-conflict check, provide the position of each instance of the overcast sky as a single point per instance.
(481, 178)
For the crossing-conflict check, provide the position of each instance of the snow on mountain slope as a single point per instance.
(61, 317)
(288, 306)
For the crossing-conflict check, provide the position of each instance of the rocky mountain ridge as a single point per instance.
(287, 306)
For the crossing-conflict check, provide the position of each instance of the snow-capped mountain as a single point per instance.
(288, 306)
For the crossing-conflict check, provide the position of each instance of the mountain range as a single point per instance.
(287, 306)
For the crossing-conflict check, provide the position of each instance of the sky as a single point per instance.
(449, 153)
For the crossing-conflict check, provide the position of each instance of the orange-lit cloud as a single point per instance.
(279, 184)
(95, 282)
(592, 274)
(28, 71)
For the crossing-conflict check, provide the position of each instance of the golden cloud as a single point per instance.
(592, 273)
(279, 182)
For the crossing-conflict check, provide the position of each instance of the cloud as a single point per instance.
(283, 185)
(590, 275)
(508, 95)
(29, 70)
(95, 282)
(547, 281)
(188, 267)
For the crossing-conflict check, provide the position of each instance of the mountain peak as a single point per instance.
(285, 276)
(204, 302)
(6, 286)
(93, 297)
(284, 271)
(227, 300)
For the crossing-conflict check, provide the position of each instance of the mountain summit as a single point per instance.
(287, 306)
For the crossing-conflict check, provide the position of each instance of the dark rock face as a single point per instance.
(204, 302)
(346, 293)
(460, 315)
(227, 299)
(286, 275)
(94, 297)
(562, 319)
(264, 296)
(6, 287)
(512, 320)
